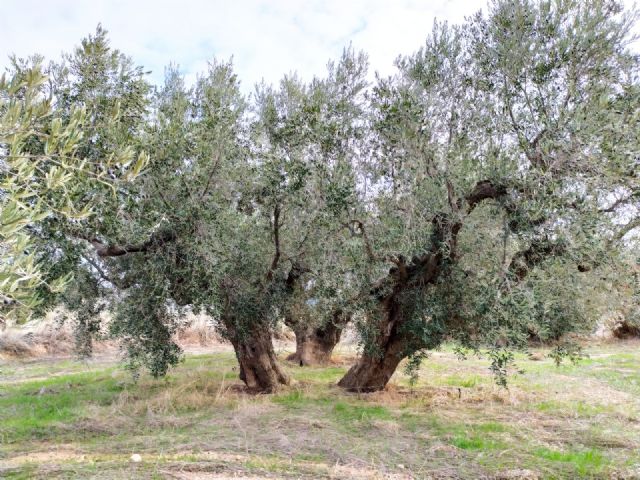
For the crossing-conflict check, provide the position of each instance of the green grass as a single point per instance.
(582, 462)
(320, 375)
(40, 409)
(578, 408)
(350, 413)
(294, 399)
(469, 381)
(26, 472)
(491, 427)
(476, 442)
(568, 422)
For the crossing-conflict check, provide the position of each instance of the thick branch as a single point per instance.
(294, 275)
(484, 190)
(118, 250)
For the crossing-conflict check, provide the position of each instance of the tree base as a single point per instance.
(259, 368)
(310, 352)
(370, 374)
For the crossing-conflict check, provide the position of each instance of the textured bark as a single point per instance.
(314, 345)
(625, 329)
(373, 370)
(259, 368)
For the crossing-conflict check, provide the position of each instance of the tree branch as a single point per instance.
(104, 250)
(214, 168)
(620, 201)
(365, 238)
(276, 241)
(484, 190)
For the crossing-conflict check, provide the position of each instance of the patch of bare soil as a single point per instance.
(63, 454)
(214, 465)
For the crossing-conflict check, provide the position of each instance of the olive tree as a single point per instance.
(242, 194)
(502, 148)
(310, 136)
(111, 93)
(47, 179)
(464, 197)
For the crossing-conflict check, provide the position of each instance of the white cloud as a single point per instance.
(267, 38)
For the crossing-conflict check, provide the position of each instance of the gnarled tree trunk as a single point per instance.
(396, 293)
(259, 368)
(407, 280)
(372, 372)
(314, 345)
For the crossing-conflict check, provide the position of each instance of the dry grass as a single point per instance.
(197, 329)
(13, 344)
(53, 336)
(46, 337)
(572, 422)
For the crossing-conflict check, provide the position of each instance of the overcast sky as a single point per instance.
(266, 38)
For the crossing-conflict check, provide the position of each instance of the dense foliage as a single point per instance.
(473, 196)
(48, 174)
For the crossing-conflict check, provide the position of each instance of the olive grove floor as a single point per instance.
(60, 418)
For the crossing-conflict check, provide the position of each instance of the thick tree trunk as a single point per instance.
(373, 371)
(314, 345)
(259, 368)
(395, 294)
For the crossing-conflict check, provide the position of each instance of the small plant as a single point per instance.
(501, 359)
(568, 350)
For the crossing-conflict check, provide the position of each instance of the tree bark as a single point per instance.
(372, 372)
(259, 368)
(314, 345)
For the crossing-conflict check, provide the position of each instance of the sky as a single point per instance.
(267, 39)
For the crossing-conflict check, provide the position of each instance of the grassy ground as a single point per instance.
(64, 419)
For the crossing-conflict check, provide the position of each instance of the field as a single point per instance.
(60, 418)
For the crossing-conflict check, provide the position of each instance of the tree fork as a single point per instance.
(373, 371)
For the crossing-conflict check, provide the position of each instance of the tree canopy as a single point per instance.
(472, 196)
